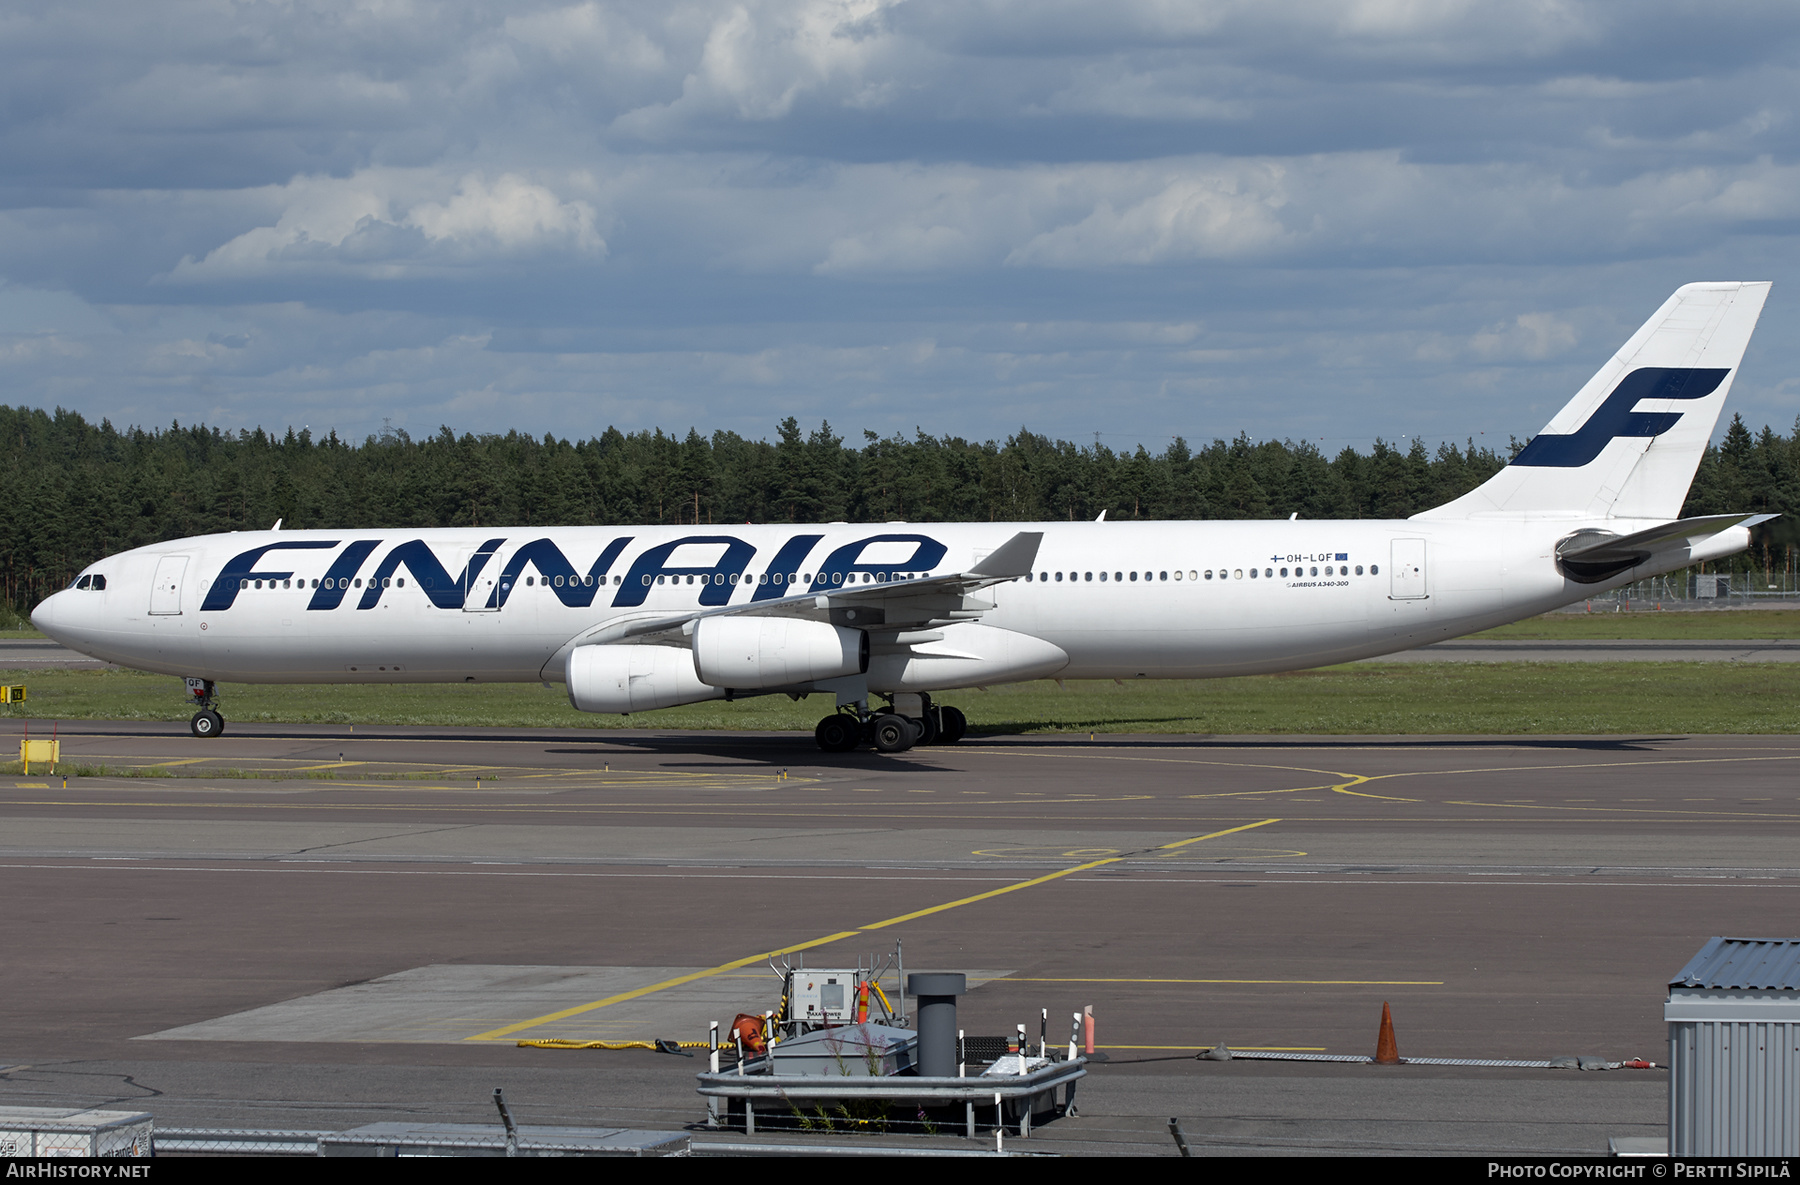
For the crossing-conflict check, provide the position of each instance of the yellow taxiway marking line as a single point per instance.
(621, 997)
(1303, 769)
(1058, 875)
(1335, 787)
(520, 1026)
(1650, 761)
(273, 764)
(1052, 853)
(1622, 810)
(1253, 793)
(1300, 982)
(1338, 788)
(1362, 779)
(708, 809)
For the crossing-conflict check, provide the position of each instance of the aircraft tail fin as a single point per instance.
(1629, 442)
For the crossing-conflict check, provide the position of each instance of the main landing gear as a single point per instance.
(206, 722)
(891, 732)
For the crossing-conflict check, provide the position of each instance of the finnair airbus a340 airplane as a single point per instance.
(632, 619)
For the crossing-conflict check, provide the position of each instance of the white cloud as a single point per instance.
(1200, 214)
(510, 214)
(593, 37)
(40, 348)
(380, 224)
(1531, 336)
(989, 211)
(761, 57)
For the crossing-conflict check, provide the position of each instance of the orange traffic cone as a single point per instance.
(1387, 1053)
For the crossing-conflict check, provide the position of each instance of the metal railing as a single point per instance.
(221, 1141)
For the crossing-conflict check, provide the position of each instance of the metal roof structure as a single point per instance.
(1745, 964)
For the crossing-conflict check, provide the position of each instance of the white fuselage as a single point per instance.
(1121, 599)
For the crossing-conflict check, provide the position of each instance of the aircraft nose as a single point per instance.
(44, 617)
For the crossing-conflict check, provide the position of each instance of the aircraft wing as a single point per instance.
(889, 607)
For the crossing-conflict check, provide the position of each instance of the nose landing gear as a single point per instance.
(206, 722)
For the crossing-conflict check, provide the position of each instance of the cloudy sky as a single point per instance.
(1303, 219)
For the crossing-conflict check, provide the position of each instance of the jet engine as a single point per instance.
(633, 679)
(748, 652)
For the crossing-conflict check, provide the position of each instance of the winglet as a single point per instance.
(1013, 558)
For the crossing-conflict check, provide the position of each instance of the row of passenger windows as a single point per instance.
(589, 580)
(385, 582)
(328, 582)
(577, 581)
(99, 582)
(1207, 574)
(702, 578)
(775, 578)
(1046, 577)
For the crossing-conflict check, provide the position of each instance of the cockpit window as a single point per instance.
(84, 582)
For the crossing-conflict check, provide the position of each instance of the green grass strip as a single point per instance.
(1651, 625)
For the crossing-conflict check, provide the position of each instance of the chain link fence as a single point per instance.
(1691, 587)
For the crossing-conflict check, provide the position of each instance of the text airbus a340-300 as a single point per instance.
(886, 620)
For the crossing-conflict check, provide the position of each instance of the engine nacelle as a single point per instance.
(633, 679)
(753, 652)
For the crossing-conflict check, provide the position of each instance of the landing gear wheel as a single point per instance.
(893, 734)
(952, 724)
(929, 727)
(207, 723)
(838, 733)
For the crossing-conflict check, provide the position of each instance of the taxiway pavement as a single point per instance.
(309, 926)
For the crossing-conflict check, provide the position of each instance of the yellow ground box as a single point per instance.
(14, 694)
(41, 752)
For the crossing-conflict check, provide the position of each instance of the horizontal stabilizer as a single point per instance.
(1593, 556)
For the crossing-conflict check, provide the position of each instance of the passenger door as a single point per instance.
(477, 590)
(1407, 570)
(165, 594)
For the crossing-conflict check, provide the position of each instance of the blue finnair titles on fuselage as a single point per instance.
(651, 616)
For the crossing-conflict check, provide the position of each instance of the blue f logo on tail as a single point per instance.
(1615, 417)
